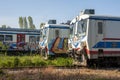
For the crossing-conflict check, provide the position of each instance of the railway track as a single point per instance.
(65, 67)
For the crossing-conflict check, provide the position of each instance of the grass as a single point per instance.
(32, 61)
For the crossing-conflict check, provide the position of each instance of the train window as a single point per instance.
(8, 38)
(38, 38)
(100, 28)
(23, 38)
(1, 37)
(18, 38)
(57, 33)
(32, 38)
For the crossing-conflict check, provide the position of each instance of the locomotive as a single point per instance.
(95, 39)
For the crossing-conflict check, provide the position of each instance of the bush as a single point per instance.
(31, 61)
(63, 62)
(27, 62)
(16, 62)
(3, 65)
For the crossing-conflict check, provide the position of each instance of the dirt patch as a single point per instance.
(61, 74)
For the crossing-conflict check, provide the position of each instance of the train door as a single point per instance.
(20, 39)
(100, 24)
(99, 31)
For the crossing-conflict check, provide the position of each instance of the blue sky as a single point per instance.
(61, 10)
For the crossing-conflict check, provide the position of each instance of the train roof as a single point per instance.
(96, 17)
(20, 30)
(101, 17)
(60, 26)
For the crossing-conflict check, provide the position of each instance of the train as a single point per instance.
(54, 39)
(90, 39)
(16, 39)
(95, 39)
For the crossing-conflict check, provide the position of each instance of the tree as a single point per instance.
(4, 26)
(8, 27)
(21, 22)
(30, 22)
(25, 24)
(41, 25)
(33, 27)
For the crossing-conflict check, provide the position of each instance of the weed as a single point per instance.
(16, 62)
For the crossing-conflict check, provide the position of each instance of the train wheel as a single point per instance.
(83, 59)
(92, 63)
(80, 58)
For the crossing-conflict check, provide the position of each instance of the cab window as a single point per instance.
(100, 28)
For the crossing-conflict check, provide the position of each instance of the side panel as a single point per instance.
(106, 44)
(112, 29)
(14, 38)
(95, 35)
(58, 41)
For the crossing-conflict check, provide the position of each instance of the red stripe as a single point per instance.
(111, 39)
(105, 52)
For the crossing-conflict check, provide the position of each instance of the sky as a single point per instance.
(61, 10)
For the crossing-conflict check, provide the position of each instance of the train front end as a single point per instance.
(54, 39)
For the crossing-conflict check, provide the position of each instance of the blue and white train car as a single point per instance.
(19, 39)
(54, 39)
(96, 37)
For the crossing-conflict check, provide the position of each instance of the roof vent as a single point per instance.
(87, 11)
(52, 22)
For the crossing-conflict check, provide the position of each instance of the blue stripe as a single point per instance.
(104, 18)
(60, 27)
(50, 44)
(18, 33)
(107, 45)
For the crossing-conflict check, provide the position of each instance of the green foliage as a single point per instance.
(32, 61)
(41, 25)
(16, 62)
(41, 63)
(1, 44)
(33, 27)
(63, 61)
(21, 22)
(30, 22)
(4, 26)
(27, 62)
(25, 24)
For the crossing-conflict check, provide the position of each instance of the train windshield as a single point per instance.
(78, 28)
(81, 28)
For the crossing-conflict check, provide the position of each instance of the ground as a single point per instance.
(60, 74)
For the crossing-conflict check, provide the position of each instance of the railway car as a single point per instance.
(95, 39)
(19, 39)
(54, 39)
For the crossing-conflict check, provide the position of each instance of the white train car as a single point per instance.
(54, 39)
(96, 37)
(19, 39)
